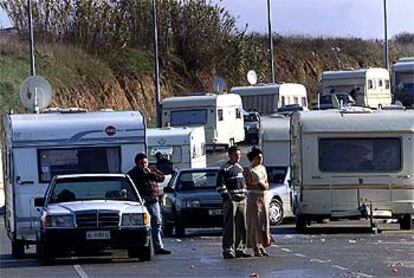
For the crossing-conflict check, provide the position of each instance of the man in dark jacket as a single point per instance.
(232, 188)
(145, 179)
(163, 164)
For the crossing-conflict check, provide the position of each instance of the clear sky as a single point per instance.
(345, 18)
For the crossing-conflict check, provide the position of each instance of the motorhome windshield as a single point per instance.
(188, 117)
(404, 82)
(54, 162)
(92, 188)
(359, 154)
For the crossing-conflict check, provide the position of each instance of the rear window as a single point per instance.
(53, 162)
(360, 155)
(188, 117)
(188, 181)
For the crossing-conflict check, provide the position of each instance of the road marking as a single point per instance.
(340, 267)
(300, 255)
(275, 245)
(80, 271)
(363, 274)
(318, 261)
(286, 250)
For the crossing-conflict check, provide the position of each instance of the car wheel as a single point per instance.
(406, 222)
(275, 212)
(18, 249)
(179, 230)
(301, 222)
(44, 254)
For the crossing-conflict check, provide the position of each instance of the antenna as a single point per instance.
(252, 77)
(35, 93)
(219, 85)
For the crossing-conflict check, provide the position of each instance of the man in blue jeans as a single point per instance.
(145, 179)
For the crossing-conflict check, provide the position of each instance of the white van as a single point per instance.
(185, 147)
(345, 160)
(219, 114)
(275, 144)
(37, 147)
(268, 98)
(368, 87)
(403, 81)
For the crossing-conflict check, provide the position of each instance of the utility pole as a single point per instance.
(31, 40)
(269, 25)
(386, 63)
(156, 66)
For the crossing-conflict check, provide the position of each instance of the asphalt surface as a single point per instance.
(333, 249)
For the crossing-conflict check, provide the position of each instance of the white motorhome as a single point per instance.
(275, 144)
(185, 147)
(267, 98)
(344, 161)
(219, 114)
(403, 81)
(368, 87)
(37, 147)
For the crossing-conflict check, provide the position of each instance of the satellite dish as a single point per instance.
(219, 85)
(252, 77)
(35, 93)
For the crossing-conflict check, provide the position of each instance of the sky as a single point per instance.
(343, 18)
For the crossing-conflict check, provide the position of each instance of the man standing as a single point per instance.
(163, 164)
(145, 179)
(232, 188)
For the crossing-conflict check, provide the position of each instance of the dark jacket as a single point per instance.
(165, 166)
(147, 183)
(231, 183)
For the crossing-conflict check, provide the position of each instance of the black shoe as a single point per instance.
(228, 255)
(162, 252)
(243, 255)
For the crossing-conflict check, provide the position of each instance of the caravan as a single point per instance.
(37, 147)
(403, 81)
(353, 162)
(268, 98)
(185, 147)
(367, 87)
(219, 114)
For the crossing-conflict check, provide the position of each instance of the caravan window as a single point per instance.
(220, 115)
(387, 84)
(370, 84)
(188, 117)
(360, 155)
(54, 162)
(238, 113)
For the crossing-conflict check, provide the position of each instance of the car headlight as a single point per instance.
(58, 221)
(193, 204)
(132, 219)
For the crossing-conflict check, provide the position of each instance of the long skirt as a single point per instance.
(257, 217)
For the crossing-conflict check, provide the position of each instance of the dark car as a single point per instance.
(87, 213)
(191, 201)
(251, 125)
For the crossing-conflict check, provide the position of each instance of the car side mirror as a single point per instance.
(39, 202)
(168, 189)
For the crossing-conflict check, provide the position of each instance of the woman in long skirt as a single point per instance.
(257, 212)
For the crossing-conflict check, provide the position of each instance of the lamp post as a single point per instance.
(269, 25)
(386, 63)
(156, 66)
(31, 40)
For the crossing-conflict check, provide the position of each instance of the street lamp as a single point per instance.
(31, 40)
(269, 25)
(386, 63)
(156, 66)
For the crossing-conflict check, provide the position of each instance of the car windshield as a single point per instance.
(188, 181)
(92, 188)
(276, 175)
(252, 117)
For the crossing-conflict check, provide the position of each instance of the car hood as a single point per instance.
(100, 205)
(201, 195)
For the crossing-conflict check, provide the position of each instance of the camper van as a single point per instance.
(367, 87)
(37, 147)
(403, 81)
(268, 98)
(352, 163)
(275, 144)
(219, 114)
(185, 147)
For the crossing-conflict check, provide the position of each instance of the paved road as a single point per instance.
(335, 249)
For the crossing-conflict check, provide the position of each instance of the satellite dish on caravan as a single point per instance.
(252, 77)
(35, 93)
(219, 85)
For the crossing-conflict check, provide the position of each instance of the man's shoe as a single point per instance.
(228, 255)
(243, 255)
(162, 252)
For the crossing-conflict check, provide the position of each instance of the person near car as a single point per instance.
(164, 164)
(232, 188)
(145, 179)
(258, 228)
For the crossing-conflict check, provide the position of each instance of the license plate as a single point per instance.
(215, 212)
(93, 235)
